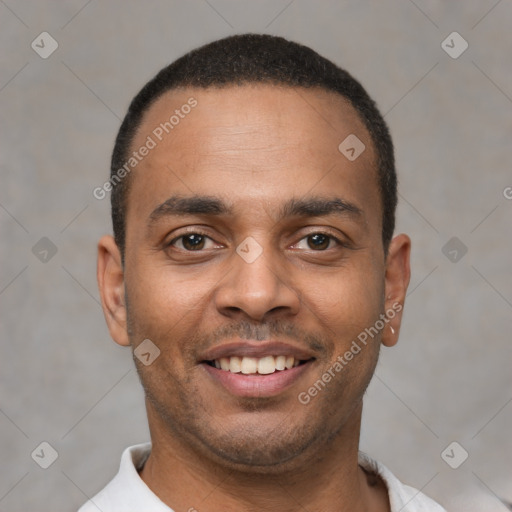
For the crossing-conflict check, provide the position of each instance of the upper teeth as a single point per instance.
(250, 365)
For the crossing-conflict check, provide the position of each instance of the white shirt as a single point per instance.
(127, 492)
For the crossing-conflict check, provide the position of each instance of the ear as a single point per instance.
(110, 276)
(398, 274)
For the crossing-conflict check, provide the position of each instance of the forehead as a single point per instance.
(255, 141)
(248, 109)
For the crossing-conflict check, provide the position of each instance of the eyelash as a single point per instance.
(337, 241)
(188, 233)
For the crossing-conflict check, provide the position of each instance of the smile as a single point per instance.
(256, 366)
(266, 376)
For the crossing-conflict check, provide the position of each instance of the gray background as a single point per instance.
(65, 382)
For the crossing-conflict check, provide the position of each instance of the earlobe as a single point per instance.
(398, 274)
(110, 274)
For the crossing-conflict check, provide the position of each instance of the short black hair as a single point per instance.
(255, 58)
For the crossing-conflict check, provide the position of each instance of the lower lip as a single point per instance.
(257, 385)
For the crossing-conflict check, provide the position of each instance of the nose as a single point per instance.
(258, 289)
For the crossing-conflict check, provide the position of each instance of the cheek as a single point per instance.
(162, 302)
(346, 301)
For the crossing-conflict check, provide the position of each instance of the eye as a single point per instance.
(192, 242)
(318, 241)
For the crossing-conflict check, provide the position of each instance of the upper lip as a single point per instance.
(256, 349)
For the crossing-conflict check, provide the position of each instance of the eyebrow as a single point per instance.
(205, 205)
(194, 205)
(318, 207)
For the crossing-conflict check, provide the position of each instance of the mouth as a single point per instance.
(265, 365)
(256, 369)
(253, 380)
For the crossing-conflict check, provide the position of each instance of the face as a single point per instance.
(253, 261)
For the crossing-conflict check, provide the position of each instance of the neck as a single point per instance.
(327, 478)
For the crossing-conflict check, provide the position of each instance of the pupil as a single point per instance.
(193, 241)
(318, 241)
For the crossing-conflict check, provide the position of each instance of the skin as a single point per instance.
(255, 148)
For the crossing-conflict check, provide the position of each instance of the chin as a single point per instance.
(251, 449)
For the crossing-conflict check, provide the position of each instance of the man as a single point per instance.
(254, 273)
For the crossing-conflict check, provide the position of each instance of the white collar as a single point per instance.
(127, 492)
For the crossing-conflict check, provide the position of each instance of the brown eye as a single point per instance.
(318, 241)
(191, 242)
